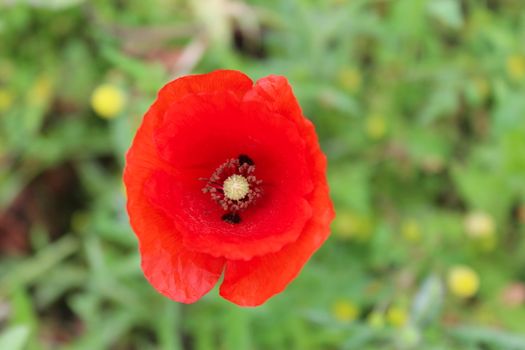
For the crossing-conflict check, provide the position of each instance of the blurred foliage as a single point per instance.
(419, 106)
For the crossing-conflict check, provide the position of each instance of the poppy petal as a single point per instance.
(277, 94)
(220, 80)
(251, 283)
(177, 273)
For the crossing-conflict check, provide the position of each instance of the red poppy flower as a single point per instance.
(225, 174)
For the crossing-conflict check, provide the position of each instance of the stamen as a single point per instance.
(244, 159)
(236, 187)
(232, 218)
(233, 185)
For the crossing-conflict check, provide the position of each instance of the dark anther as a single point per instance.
(244, 159)
(232, 218)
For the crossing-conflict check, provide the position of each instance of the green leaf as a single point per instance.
(489, 337)
(14, 338)
(447, 12)
(428, 302)
(36, 267)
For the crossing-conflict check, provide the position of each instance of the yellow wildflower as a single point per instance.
(107, 101)
(463, 281)
(352, 226)
(350, 79)
(516, 66)
(345, 311)
(397, 316)
(410, 230)
(375, 126)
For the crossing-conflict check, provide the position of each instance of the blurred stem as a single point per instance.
(237, 333)
(169, 326)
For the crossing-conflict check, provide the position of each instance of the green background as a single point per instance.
(419, 106)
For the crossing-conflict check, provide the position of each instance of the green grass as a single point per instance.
(419, 107)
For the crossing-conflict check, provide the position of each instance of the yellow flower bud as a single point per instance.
(463, 281)
(107, 101)
(397, 316)
(352, 226)
(345, 311)
(350, 79)
(375, 126)
(411, 231)
(516, 66)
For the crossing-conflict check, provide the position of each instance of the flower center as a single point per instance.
(234, 187)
